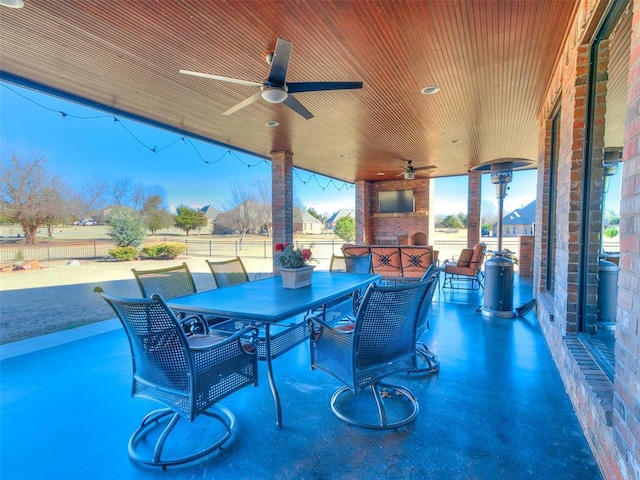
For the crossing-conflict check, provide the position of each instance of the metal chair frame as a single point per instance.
(172, 282)
(381, 343)
(475, 278)
(189, 375)
(228, 272)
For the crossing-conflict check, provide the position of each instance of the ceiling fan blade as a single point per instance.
(428, 167)
(279, 63)
(222, 79)
(297, 87)
(243, 103)
(297, 107)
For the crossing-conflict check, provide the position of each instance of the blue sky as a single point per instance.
(87, 143)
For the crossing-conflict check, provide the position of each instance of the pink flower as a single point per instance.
(279, 247)
(306, 253)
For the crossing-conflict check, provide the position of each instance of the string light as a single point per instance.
(154, 149)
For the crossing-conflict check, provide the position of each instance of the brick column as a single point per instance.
(525, 260)
(474, 204)
(282, 197)
(363, 212)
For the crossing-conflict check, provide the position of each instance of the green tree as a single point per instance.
(345, 228)
(126, 227)
(451, 221)
(187, 218)
(155, 217)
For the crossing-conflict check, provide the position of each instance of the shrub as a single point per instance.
(611, 232)
(165, 249)
(124, 254)
(126, 227)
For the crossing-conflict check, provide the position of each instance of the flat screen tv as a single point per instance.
(396, 201)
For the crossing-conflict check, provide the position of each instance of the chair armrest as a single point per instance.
(208, 342)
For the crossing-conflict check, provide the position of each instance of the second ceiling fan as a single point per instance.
(276, 89)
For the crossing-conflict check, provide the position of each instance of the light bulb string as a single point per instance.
(154, 149)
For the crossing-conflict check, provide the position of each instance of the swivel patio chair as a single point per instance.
(189, 375)
(172, 282)
(382, 343)
(427, 361)
(467, 268)
(343, 309)
(228, 272)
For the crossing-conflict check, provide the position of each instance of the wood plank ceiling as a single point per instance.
(491, 59)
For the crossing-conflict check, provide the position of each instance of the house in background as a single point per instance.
(305, 223)
(520, 222)
(330, 224)
(212, 213)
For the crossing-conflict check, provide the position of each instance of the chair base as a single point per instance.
(428, 362)
(400, 408)
(474, 282)
(152, 428)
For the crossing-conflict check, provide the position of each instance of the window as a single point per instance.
(608, 73)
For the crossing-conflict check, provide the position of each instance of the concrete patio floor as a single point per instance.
(496, 410)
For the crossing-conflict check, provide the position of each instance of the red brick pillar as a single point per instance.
(474, 205)
(525, 260)
(282, 197)
(363, 212)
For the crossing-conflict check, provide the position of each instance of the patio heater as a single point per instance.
(498, 283)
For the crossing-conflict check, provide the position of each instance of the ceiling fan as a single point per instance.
(409, 171)
(275, 88)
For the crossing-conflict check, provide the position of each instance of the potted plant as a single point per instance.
(293, 265)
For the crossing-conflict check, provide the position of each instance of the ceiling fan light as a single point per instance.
(12, 3)
(274, 95)
(409, 174)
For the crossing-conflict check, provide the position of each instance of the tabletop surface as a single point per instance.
(266, 300)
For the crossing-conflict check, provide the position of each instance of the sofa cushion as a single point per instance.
(415, 261)
(386, 261)
(465, 257)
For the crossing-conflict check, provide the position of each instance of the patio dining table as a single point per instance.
(266, 303)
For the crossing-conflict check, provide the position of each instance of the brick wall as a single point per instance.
(626, 400)
(372, 225)
(608, 412)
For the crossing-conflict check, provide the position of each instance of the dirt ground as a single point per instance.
(60, 296)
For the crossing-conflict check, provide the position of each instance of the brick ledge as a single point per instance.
(593, 378)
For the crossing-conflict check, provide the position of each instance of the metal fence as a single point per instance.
(93, 249)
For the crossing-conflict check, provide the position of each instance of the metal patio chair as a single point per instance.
(189, 375)
(172, 282)
(382, 343)
(427, 361)
(228, 272)
(467, 268)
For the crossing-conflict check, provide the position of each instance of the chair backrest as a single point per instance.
(168, 282)
(159, 347)
(431, 278)
(385, 326)
(228, 272)
(478, 256)
(351, 263)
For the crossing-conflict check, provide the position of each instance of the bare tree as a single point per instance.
(30, 193)
(121, 191)
(242, 210)
(263, 194)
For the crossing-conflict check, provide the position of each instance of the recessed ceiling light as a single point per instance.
(380, 174)
(454, 141)
(272, 123)
(430, 90)
(342, 155)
